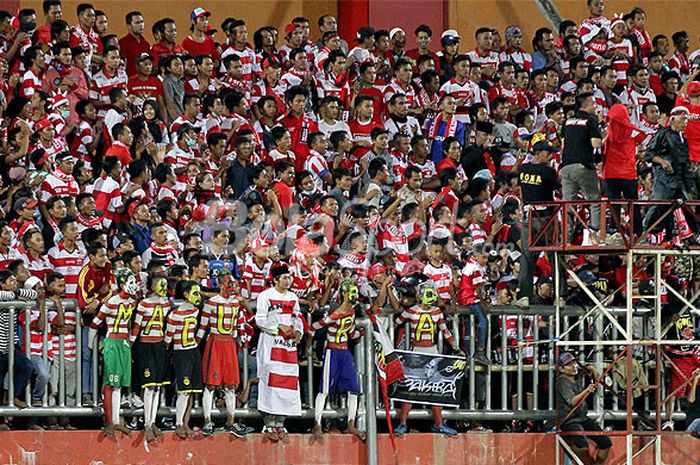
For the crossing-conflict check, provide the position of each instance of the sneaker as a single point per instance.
(523, 302)
(668, 426)
(136, 401)
(480, 358)
(208, 429)
(401, 429)
(20, 403)
(249, 429)
(237, 430)
(443, 429)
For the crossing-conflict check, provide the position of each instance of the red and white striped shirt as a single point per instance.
(59, 184)
(442, 277)
(38, 266)
(469, 92)
(255, 276)
(250, 64)
(149, 321)
(484, 60)
(424, 325)
(472, 278)
(355, 262)
(102, 83)
(181, 329)
(70, 348)
(68, 264)
(318, 167)
(340, 328)
(108, 198)
(520, 57)
(621, 65)
(36, 338)
(116, 315)
(395, 87)
(478, 233)
(636, 98)
(30, 84)
(393, 237)
(222, 316)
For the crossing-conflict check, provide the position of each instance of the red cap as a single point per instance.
(694, 89)
(258, 244)
(375, 269)
(42, 124)
(289, 28)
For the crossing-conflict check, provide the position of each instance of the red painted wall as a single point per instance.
(409, 14)
(89, 447)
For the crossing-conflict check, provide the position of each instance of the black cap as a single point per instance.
(543, 145)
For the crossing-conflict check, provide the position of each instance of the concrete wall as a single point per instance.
(664, 16)
(257, 13)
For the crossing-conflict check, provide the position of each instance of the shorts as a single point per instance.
(188, 370)
(220, 361)
(686, 365)
(603, 442)
(339, 374)
(117, 362)
(152, 363)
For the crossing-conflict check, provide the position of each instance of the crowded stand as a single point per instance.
(211, 189)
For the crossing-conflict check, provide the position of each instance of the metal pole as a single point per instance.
(11, 359)
(78, 356)
(28, 352)
(370, 405)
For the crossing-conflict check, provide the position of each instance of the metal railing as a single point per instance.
(519, 385)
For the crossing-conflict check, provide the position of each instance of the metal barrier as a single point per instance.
(522, 368)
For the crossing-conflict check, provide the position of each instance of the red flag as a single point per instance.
(389, 370)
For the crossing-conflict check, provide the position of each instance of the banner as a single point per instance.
(429, 379)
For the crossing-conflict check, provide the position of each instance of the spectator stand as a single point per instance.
(613, 328)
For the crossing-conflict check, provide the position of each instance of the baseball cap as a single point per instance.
(450, 33)
(376, 269)
(449, 40)
(270, 62)
(565, 358)
(258, 244)
(24, 203)
(364, 33)
(42, 124)
(521, 132)
(676, 111)
(694, 88)
(544, 280)
(198, 13)
(289, 28)
(143, 57)
(395, 31)
(587, 276)
(184, 127)
(119, 239)
(543, 145)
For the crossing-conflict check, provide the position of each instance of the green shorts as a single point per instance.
(117, 362)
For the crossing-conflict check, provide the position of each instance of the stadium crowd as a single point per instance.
(206, 191)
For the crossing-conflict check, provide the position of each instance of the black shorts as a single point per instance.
(152, 363)
(187, 365)
(603, 442)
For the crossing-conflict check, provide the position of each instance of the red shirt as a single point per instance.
(207, 47)
(120, 151)
(130, 48)
(299, 128)
(90, 281)
(692, 131)
(161, 50)
(151, 87)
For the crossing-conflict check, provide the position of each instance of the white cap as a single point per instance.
(450, 32)
(394, 31)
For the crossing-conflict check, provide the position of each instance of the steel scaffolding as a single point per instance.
(553, 226)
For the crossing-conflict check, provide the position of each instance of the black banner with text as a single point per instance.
(429, 379)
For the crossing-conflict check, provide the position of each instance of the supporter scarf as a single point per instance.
(88, 222)
(63, 176)
(597, 47)
(450, 130)
(62, 69)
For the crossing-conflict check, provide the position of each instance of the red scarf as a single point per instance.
(450, 130)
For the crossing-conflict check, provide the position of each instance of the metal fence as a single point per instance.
(518, 385)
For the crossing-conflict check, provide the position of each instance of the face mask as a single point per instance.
(191, 143)
(349, 289)
(65, 114)
(226, 285)
(161, 287)
(27, 26)
(131, 286)
(194, 296)
(429, 296)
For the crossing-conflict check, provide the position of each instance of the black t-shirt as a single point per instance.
(665, 103)
(538, 182)
(578, 132)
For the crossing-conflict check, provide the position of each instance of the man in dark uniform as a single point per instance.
(538, 181)
(582, 139)
(668, 151)
(572, 411)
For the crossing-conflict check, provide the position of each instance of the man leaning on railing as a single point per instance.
(9, 290)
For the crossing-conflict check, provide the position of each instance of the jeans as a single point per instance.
(23, 370)
(618, 189)
(694, 427)
(528, 259)
(42, 370)
(575, 178)
(482, 324)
